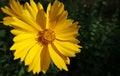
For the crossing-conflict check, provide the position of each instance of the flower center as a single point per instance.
(46, 36)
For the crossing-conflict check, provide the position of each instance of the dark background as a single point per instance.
(99, 36)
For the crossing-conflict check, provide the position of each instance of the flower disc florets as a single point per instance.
(46, 36)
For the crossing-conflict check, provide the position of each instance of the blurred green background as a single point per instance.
(99, 36)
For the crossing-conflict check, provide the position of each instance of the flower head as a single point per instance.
(41, 37)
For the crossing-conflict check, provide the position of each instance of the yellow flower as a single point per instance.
(42, 37)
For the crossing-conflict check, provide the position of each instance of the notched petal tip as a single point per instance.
(40, 6)
(12, 48)
(2, 8)
(7, 20)
(15, 58)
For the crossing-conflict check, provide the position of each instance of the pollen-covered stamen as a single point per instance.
(46, 36)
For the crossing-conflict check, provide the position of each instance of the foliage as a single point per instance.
(99, 36)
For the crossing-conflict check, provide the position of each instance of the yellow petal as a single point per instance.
(58, 61)
(28, 19)
(56, 9)
(40, 7)
(16, 7)
(7, 20)
(45, 59)
(36, 67)
(71, 28)
(18, 31)
(22, 25)
(32, 53)
(23, 14)
(68, 32)
(64, 25)
(32, 13)
(22, 37)
(41, 19)
(63, 50)
(65, 58)
(66, 39)
(54, 12)
(21, 43)
(15, 10)
(34, 6)
(47, 19)
(62, 20)
(69, 46)
(8, 11)
(36, 63)
(23, 50)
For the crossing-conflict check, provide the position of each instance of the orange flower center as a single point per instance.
(46, 36)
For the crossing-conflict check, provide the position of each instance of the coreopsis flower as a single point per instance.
(42, 37)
